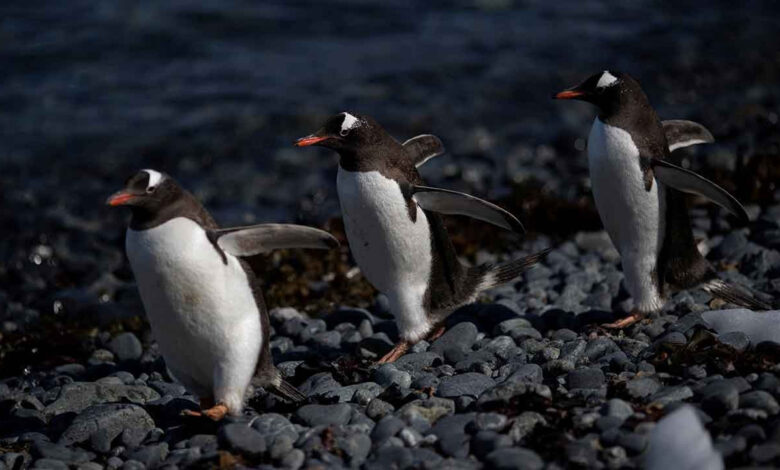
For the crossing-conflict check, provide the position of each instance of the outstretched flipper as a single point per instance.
(287, 390)
(423, 147)
(681, 133)
(689, 182)
(256, 239)
(495, 275)
(446, 201)
(735, 295)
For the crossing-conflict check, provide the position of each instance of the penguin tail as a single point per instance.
(736, 295)
(286, 390)
(495, 275)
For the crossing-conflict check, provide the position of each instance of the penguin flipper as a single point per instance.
(423, 147)
(681, 133)
(255, 239)
(689, 182)
(446, 201)
(287, 390)
(734, 294)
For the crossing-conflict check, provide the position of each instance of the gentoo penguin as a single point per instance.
(638, 192)
(395, 233)
(202, 300)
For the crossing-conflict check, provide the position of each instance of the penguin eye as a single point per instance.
(150, 189)
(344, 132)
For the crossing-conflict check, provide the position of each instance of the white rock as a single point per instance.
(680, 441)
(759, 326)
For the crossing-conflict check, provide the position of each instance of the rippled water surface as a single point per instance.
(214, 92)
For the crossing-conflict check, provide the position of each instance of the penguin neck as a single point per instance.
(375, 156)
(183, 206)
(629, 111)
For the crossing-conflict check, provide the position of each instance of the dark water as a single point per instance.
(214, 92)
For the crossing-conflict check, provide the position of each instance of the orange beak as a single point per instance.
(119, 198)
(309, 140)
(568, 95)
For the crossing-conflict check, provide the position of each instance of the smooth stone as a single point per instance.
(126, 347)
(514, 458)
(77, 396)
(387, 375)
(642, 387)
(101, 424)
(469, 383)
(524, 424)
(720, 397)
(617, 408)
(151, 456)
(671, 394)
(378, 408)
(272, 426)
(316, 415)
(242, 439)
(456, 342)
(451, 431)
(761, 400)
(585, 378)
(758, 326)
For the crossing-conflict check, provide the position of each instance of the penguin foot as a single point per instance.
(632, 318)
(397, 351)
(437, 331)
(215, 413)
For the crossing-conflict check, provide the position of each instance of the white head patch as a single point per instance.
(349, 122)
(155, 177)
(607, 79)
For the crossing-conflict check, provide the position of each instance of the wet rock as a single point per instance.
(617, 408)
(761, 400)
(456, 342)
(102, 424)
(387, 375)
(470, 383)
(764, 326)
(272, 426)
(524, 424)
(668, 395)
(720, 397)
(736, 340)
(316, 415)
(585, 378)
(151, 456)
(451, 432)
(243, 440)
(77, 396)
(377, 408)
(387, 427)
(356, 447)
(642, 387)
(126, 347)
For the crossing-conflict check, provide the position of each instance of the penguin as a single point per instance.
(394, 230)
(638, 188)
(202, 299)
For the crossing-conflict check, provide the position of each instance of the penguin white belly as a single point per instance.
(631, 215)
(393, 252)
(202, 312)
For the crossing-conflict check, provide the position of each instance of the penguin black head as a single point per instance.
(147, 193)
(345, 133)
(610, 91)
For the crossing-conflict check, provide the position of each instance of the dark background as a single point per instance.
(215, 92)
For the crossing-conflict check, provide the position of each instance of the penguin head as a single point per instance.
(147, 191)
(345, 133)
(609, 90)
